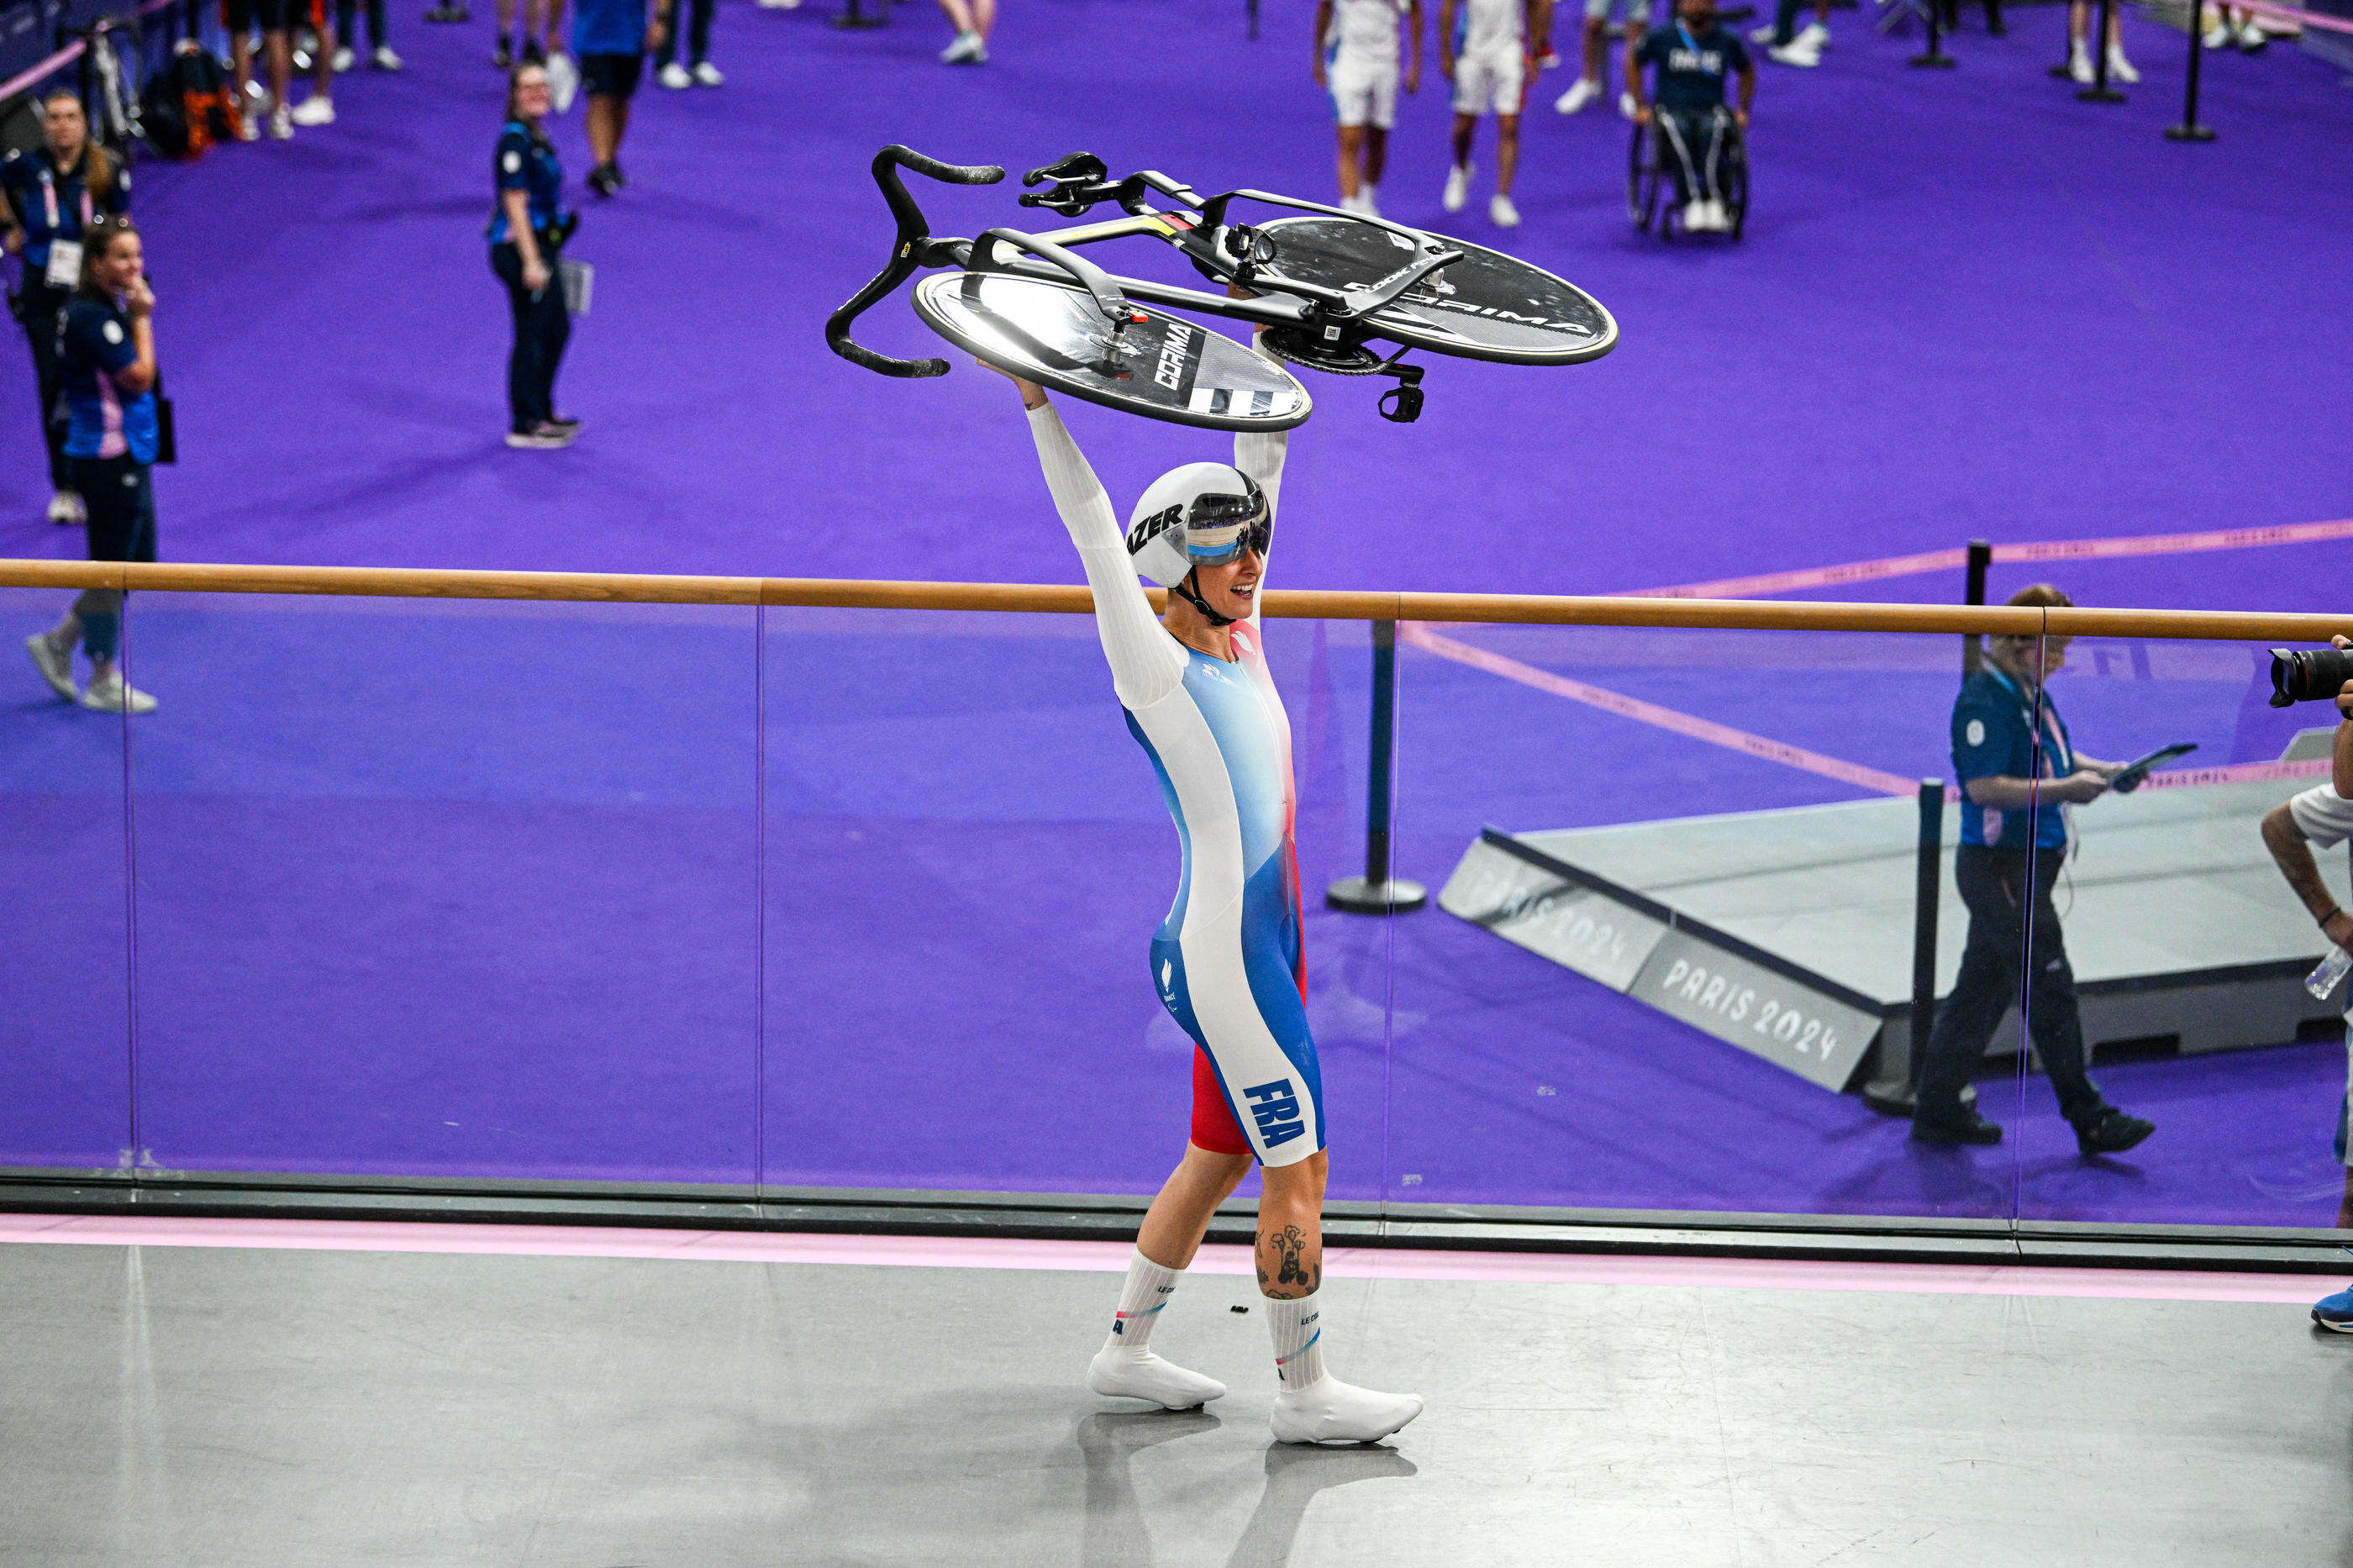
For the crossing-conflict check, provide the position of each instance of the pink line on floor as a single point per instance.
(1111, 1257)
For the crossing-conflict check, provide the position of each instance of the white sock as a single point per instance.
(1298, 1332)
(1366, 191)
(1147, 1290)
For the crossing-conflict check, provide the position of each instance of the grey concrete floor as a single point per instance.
(285, 1409)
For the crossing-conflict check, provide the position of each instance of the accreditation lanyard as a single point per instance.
(64, 270)
(2057, 757)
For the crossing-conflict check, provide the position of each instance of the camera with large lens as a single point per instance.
(2314, 675)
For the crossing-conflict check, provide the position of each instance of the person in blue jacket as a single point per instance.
(529, 224)
(106, 354)
(53, 193)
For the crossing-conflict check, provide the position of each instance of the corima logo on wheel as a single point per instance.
(1275, 1109)
(1170, 371)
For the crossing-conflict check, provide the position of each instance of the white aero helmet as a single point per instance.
(1202, 511)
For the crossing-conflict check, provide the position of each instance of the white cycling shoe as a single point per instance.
(1330, 1411)
(1118, 1373)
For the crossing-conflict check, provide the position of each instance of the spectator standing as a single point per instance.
(54, 194)
(319, 109)
(698, 67)
(278, 60)
(974, 20)
(1486, 48)
(1356, 63)
(528, 227)
(1786, 45)
(380, 55)
(107, 350)
(611, 38)
(2079, 45)
(1590, 84)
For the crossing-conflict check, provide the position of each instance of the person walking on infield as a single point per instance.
(1693, 58)
(380, 55)
(1356, 63)
(1486, 48)
(2019, 772)
(529, 225)
(1226, 961)
(611, 38)
(54, 194)
(106, 353)
(1590, 85)
(973, 20)
(698, 68)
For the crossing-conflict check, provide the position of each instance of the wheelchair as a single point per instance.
(1651, 179)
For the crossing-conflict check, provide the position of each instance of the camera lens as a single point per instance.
(2313, 675)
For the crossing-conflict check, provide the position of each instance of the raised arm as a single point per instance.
(1146, 664)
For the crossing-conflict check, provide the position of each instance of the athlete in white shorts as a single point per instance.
(2323, 818)
(1589, 85)
(1485, 49)
(1356, 63)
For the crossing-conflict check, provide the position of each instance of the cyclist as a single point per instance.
(1356, 63)
(1693, 57)
(1227, 960)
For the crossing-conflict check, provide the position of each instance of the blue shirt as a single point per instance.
(1692, 70)
(609, 27)
(94, 346)
(50, 204)
(525, 162)
(1993, 734)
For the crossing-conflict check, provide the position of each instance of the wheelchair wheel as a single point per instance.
(1643, 180)
(1734, 175)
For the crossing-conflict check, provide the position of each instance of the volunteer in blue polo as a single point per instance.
(53, 193)
(611, 38)
(529, 225)
(2019, 774)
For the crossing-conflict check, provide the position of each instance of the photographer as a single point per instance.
(2324, 816)
(2018, 772)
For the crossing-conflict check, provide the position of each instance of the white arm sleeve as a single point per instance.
(1146, 664)
(1260, 456)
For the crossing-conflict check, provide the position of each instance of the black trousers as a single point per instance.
(120, 494)
(542, 327)
(698, 34)
(344, 33)
(1993, 883)
(38, 306)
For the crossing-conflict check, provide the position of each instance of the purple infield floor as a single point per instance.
(476, 890)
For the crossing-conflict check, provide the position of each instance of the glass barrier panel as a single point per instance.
(450, 890)
(968, 855)
(2190, 898)
(65, 1031)
(1669, 963)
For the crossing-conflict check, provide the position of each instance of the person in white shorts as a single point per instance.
(1589, 86)
(2319, 816)
(1356, 63)
(1487, 48)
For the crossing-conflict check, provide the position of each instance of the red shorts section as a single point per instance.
(1214, 1127)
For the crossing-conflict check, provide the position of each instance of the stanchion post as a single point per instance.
(1934, 57)
(1896, 1089)
(2100, 91)
(1374, 893)
(2190, 130)
(1973, 644)
(855, 18)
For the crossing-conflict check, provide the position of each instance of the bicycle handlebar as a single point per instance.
(907, 254)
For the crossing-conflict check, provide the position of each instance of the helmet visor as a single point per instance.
(1221, 526)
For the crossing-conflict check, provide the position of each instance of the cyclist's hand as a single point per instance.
(1032, 395)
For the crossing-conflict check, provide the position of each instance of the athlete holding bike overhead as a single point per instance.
(1228, 960)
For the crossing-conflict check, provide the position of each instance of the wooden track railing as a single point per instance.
(1026, 598)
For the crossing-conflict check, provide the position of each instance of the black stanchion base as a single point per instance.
(2062, 70)
(1359, 897)
(2099, 95)
(2190, 134)
(1933, 60)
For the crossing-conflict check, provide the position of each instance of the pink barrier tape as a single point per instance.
(2237, 773)
(2321, 20)
(1111, 1257)
(1643, 712)
(2047, 550)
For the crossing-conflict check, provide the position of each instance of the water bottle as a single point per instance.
(2322, 980)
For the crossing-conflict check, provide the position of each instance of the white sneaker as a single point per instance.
(110, 693)
(1695, 216)
(1330, 1411)
(316, 109)
(2218, 36)
(1117, 1374)
(1763, 34)
(674, 76)
(965, 48)
(2079, 66)
(384, 60)
(780, 5)
(56, 665)
(281, 124)
(2120, 68)
(563, 82)
(1794, 53)
(1625, 106)
(1457, 187)
(2251, 35)
(1581, 91)
(344, 59)
(1718, 220)
(708, 75)
(65, 509)
(1501, 213)
(1368, 200)
(1815, 36)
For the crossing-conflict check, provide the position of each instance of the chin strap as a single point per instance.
(1192, 596)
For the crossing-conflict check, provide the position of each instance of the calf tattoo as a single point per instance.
(1293, 1275)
